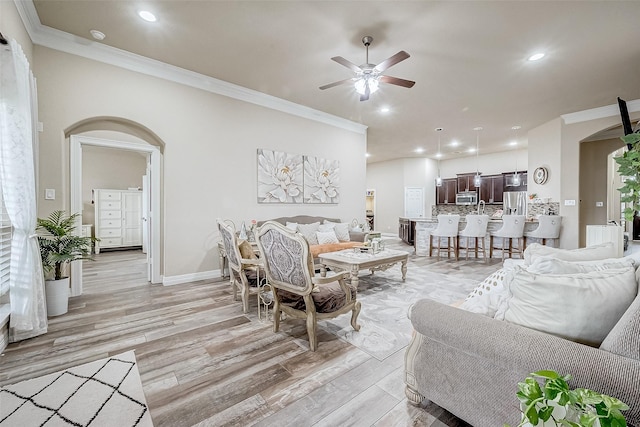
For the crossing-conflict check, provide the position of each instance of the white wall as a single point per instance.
(488, 164)
(544, 150)
(108, 168)
(12, 27)
(209, 161)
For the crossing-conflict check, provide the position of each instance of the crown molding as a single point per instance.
(599, 113)
(68, 43)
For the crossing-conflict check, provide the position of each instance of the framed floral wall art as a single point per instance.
(321, 180)
(280, 177)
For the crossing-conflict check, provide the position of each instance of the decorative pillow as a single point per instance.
(549, 265)
(309, 232)
(341, 229)
(326, 237)
(326, 227)
(246, 251)
(602, 251)
(292, 225)
(624, 338)
(581, 307)
(485, 298)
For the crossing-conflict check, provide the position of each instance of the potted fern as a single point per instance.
(59, 246)
(629, 168)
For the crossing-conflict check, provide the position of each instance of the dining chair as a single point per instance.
(512, 228)
(548, 228)
(298, 291)
(244, 271)
(476, 229)
(447, 228)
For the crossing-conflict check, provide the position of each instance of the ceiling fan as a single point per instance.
(368, 76)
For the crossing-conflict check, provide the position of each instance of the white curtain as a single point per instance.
(18, 118)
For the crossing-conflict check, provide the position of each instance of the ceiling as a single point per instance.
(469, 59)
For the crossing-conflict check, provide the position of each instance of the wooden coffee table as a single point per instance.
(353, 262)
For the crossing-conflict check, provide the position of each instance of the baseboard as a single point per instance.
(192, 277)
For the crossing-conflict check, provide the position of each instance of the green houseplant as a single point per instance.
(629, 168)
(554, 404)
(59, 246)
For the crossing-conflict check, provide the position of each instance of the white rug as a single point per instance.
(107, 392)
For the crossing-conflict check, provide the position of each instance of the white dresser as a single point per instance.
(118, 218)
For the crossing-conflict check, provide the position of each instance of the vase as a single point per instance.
(57, 295)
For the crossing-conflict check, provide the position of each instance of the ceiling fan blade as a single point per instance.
(353, 67)
(338, 83)
(397, 81)
(400, 56)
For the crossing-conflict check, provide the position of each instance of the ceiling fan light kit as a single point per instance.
(369, 76)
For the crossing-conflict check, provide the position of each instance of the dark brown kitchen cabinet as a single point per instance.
(407, 230)
(491, 189)
(446, 194)
(466, 182)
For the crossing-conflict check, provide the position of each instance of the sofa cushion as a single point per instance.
(309, 232)
(624, 338)
(292, 226)
(341, 229)
(326, 237)
(602, 251)
(485, 298)
(581, 307)
(551, 265)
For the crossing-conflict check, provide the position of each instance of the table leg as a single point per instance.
(404, 269)
(355, 269)
(323, 270)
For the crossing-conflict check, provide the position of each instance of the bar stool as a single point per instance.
(548, 228)
(447, 227)
(512, 228)
(475, 228)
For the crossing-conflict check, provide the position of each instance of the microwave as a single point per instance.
(467, 198)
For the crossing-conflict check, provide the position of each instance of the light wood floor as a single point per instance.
(203, 362)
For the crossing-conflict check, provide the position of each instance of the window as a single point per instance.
(5, 253)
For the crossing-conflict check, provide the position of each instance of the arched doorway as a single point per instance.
(152, 147)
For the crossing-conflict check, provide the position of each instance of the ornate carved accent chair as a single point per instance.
(244, 271)
(298, 291)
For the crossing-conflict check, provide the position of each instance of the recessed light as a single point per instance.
(536, 56)
(98, 35)
(385, 109)
(516, 127)
(438, 155)
(454, 143)
(471, 150)
(419, 150)
(367, 155)
(513, 143)
(147, 16)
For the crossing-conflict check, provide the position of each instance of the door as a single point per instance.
(414, 202)
(132, 218)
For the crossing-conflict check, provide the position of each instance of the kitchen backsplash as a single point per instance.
(533, 209)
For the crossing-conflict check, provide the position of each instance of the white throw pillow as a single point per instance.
(486, 297)
(549, 265)
(326, 227)
(602, 251)
(581, 307)
(292, 226)
(309, 232)
(326, 237)
(341, 229)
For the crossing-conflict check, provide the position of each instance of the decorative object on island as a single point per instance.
(477, 180)
(439, 154)
(59, 246)
(321, 180)
(554, 404)
(516, 176)
(280, 177)
(629, 168)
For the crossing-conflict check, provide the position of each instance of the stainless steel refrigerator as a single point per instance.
(514, 203)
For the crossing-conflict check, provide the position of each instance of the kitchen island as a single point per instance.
(423, 226)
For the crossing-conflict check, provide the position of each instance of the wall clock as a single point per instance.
(540, 175)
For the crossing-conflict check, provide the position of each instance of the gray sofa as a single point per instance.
(470, 364)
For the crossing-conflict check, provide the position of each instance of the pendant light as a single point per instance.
(516, 175)
(477, 180)
(439, 178)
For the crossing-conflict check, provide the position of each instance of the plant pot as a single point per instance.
(57, 293)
